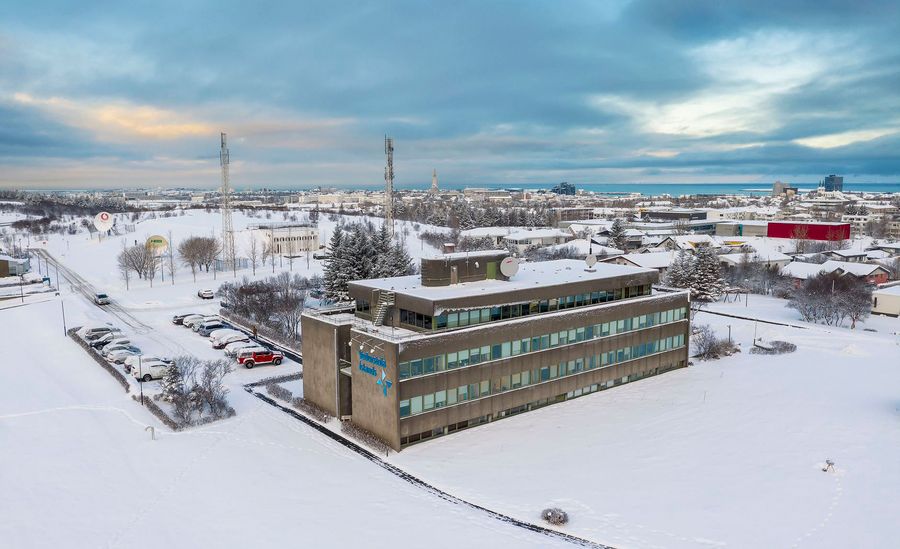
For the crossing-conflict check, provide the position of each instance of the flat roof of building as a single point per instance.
(543, 274)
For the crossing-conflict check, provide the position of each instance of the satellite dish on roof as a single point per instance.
(509, 267)
(591, 260)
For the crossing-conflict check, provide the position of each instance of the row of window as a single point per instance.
(446, 430)
(294, 238)
(439, 399)
(469, 357)
(504, 312)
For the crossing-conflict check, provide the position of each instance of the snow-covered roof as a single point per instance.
(480, 232)
(798, 269)
(464, 255)
(738, 258)
(847, 253)
(651, 260)
(538, 233)
(583, 248)
(544, 273)
(890, 290)
(856, 269)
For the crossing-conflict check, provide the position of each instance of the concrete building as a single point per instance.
(11, 266)
(886, 301)
(742, 228)
(523, 240)
(288, 238)
(463, 344)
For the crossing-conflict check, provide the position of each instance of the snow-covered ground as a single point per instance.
(77, 468)
(724, 453)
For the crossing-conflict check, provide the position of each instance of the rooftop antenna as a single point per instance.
(389, 185)
(227, 232)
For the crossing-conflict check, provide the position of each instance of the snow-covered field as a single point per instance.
(77, 468)
(95, 259)
(725, 453)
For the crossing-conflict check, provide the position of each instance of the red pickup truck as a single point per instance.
(255, 357)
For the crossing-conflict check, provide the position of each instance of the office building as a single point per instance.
(833, 183)
(290, 239)
(473, 339)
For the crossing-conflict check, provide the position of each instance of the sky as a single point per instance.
(135, 94)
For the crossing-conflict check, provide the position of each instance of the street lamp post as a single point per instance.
(141, 379)
(62, 305)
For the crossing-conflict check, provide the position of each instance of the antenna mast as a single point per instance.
(227, 232)
(389, 185)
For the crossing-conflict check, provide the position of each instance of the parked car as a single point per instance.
(251, 359)
(223, 341)
(209, 327)
(191, 321)
(102, 341)
(119, 355)
(178, 319)
(110, 347)
(222, 332)
(320, 254)
(93, 332)
(206, 294)
(150, 370)
(232, 349)
(133, 362)
(101, 299)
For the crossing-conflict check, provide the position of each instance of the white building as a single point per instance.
(288, 238)
(524, 240)
(886, 301)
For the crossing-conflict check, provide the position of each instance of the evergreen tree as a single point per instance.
(381, 247)
(172, 384)
(336, 273)
(679, 273)
(399, 261)
(707, 283)
(617, 235)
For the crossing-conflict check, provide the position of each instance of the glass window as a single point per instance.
(535, 344)
(428, 364)
(473, 390)
(415, 404)
(495, 313)
(404, 408)
(464, 318)
(485, 388)
(525, 345)
(504, 383)
(485, 315)
(415, 367)
(441, 321)
(451, 361)
(579, 334)
(428, 401)
(554, 371)
(439, 363)
(452, 320)
(545, 373)
(495, 352)
(543, 306)
(563, 337)
(440, 399)
(404, 370)
(463, 358)
(506, 348)
(517, 347)
(526, 377)
(552, 304)
(516, 381)
(451, 397)
(554, 339)
(462, 393)
(475, 355)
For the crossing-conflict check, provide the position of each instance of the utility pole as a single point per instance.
(389, 185)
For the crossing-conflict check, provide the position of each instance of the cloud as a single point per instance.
(584, 91)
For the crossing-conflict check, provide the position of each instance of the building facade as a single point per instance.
(463, 345)
(289, 239)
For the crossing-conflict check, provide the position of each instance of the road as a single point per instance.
(86, 289)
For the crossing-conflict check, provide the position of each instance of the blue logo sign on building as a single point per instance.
(369, 363)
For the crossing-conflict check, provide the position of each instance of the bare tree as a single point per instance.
(800, 234)
(191, 252)
(171, 258)
(253, 252)
(124, 267)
